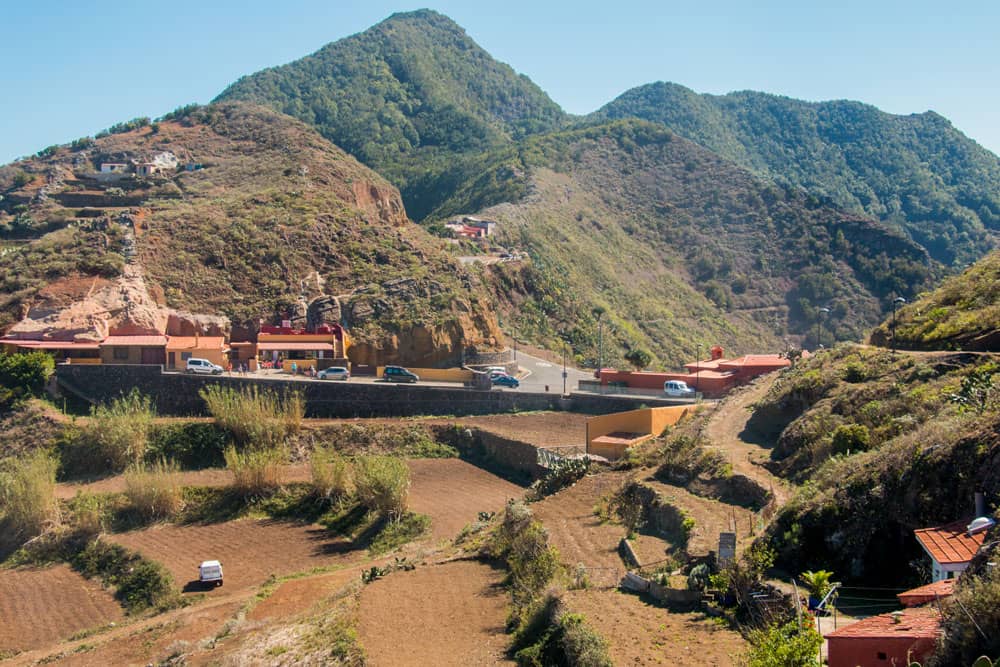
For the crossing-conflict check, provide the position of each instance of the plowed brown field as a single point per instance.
(453, 492)
(449, 614)
(39, 606)
(640, 633)
(250, 550)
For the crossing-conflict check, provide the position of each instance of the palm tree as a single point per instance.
(817, 582)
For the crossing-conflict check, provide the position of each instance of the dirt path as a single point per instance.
(726, 430)
(640, 633)
(449, 614)
(41, 605)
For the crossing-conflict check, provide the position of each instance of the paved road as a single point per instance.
(542, 372)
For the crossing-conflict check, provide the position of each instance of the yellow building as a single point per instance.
(182, 348)
(611, 435)
(283, 346)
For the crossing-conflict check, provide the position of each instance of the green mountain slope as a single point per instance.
(412, 97)
(277, 218)
(681, 247)
(916, 172)
(961, 314)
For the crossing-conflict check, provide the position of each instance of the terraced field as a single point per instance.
(42, 605)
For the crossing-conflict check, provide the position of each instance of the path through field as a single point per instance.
(726, 429)
(42, 605)
(449, 614)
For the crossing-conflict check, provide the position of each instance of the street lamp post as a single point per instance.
(600, 344)
(898, 301)
(564, 374)
(697, 369)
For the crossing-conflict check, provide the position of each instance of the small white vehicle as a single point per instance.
(210, 573)
(334, 373)
(495, 370)
(678, 388)
(203, 366)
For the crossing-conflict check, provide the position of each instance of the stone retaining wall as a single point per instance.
(176, 394)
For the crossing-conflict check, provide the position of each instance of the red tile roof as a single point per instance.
(757, 361)
(951, 543)
(928, 593)
(918, 623)
(287, 347)
(52, 344)
(148, 341)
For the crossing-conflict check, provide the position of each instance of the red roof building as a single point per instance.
(950, 547)
(889, 639)
(916, 597)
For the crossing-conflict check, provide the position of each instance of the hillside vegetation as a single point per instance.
(412, 97)
(962, 314)
(916, 172)
(681, 248)
(882, 444)
(274, 218)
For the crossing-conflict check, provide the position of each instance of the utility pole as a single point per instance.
(819, 326)
(564, 374)
(697, 370)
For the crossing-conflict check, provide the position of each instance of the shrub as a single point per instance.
(524, 544)
(780, 645)
(850, 438)
(118, 433)
(23, 376)
(818, 583)
(256, 472)
(639, 358)
(976, 597)
(382, 484)
(28, 495)
(551, 636)
(191, 445)
(397, 533)
(331, 474)
(139, 583)
(153, 491)
(564, 473)
(698, 577)
(255, 417)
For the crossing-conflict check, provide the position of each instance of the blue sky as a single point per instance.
(69, 69)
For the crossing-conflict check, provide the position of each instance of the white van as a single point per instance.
(678, 388)
(203, 366)
(210, 573)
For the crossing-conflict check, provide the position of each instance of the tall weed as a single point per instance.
(118, 433)
(28, 497)
(153, 491)
(382, 484)
(258, 418)
(331, 474)
(256, 472)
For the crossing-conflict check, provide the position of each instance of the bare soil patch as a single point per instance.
(449, 614)
(250, 550)
(453, 492)
(710, 517)
(39, 606)
(641, 633)
(575, 530)
(545, 429)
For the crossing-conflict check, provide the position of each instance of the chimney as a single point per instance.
(980, 505)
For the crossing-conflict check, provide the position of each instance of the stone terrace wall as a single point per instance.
(176, 394)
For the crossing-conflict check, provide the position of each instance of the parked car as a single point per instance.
(678, 388)
(497, 373)
(506, 381)
(203, 366)
(210, 573)
(334, 373)
(398, 374)
(496, 369)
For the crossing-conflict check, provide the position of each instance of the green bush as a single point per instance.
(397, 533)
(551, 636)
(382, 484)
(523, 543)
(788, 645)
(27, 494)
(255, 417)
(977, 596)
(117, 434)
(191, 445)
(23, 376)
(850, 438)
(564, 473)
(139, 583)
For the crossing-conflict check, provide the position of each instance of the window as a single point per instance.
(120, 352)
(185, 356)
(881, 655)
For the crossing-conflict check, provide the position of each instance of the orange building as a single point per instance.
(63, 351)
(284, 345)
(898, 638)
(182, 348)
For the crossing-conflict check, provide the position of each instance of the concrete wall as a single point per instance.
(649, 421)
(864, 651)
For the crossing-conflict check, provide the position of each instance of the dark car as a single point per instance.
(506, 381)
(398, 374)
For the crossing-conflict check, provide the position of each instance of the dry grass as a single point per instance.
(28, 495)
(257, 418)
(119, 432)
(256, 472)
(383, 484)
(331, 474)
(154, 491)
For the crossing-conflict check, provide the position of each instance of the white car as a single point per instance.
(203, 366)
(334, 373)
(678, 388)
(210, 573)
